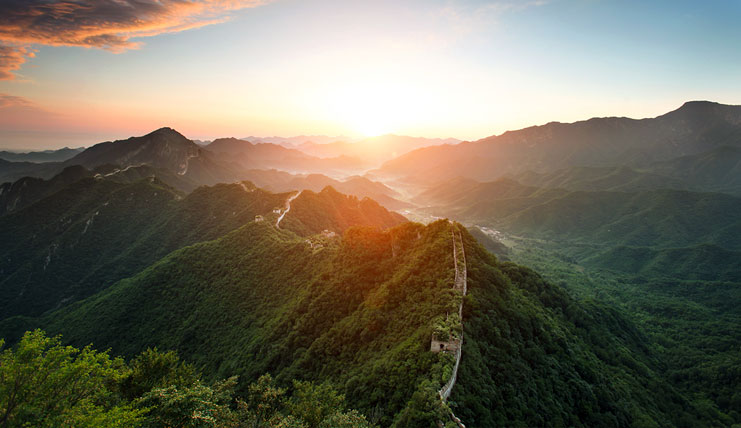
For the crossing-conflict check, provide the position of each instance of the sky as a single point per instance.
(77, 72)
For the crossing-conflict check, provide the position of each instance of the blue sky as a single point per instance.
(464, 69)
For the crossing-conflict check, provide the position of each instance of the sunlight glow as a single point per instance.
(371, 107)
(365, 109)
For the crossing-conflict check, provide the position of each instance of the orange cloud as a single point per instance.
(11, 59)
(101, 24)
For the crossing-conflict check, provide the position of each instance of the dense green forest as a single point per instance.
(338, 313)
(651, 244)
(534, 356)
(76, 241)
(359, 310)
(46, 384)
(632, 324)
(81, 239)
(687, 309)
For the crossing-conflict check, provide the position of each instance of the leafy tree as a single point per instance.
(350, 419)
(424, 409)
(153, 369)
(264, 399)
(314, 403)
(194, 406)
(45, 384)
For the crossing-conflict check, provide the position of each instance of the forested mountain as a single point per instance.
(694, 128)
(329, 209)
(359, 311)
(95, 231)
(703, 262)
(662, 218)
(12, 171)
(25, 191)
(184, 164)
(717, 170)
(658, 243)
(307, 287)
(281, 181)
(164, 148)
(21, 193)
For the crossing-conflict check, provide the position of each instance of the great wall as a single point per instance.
(286, 209)
(456, 345)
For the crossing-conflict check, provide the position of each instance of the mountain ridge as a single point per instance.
(544, 148)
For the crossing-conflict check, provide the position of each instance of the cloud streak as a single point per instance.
(100, 24)
(7, 101)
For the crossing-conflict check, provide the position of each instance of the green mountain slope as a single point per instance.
(263, 300)
(620, 178)
(701, 262)
(331, 210)
(27, 190)
(533, 356)
(281, 181)
(96, 231)
(717, 170)
(359, 311)
(662, 218)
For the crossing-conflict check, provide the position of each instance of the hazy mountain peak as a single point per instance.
(700, 104)
(162, 148)
(706, 112)
(166, 132)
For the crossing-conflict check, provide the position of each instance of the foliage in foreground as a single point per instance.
(46, 384)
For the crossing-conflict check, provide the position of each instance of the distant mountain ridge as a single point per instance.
(293, 142)
(59, 155)
(182, 163)
(249, 155)
(378, 149)
(281, 181)
(696, 127)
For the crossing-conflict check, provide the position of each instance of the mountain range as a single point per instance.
(696, 127)
(59, 155)
(356, 307)
(285, 257)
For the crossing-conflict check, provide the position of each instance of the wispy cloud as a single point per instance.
(101, 24)
(7, 101)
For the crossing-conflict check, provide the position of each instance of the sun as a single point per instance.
(365, 109)
(369, 123)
